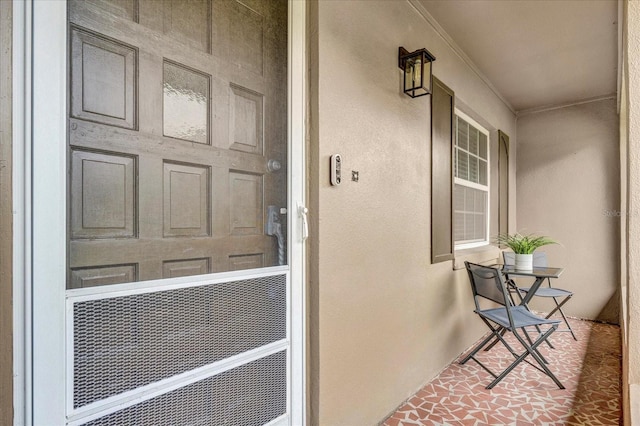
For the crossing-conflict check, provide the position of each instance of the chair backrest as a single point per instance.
(488, 283)
(509, 258)
(539, 258)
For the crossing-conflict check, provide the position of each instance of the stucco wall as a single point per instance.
(568, 188)
(624, 241)
(632, 71)
(384, 321)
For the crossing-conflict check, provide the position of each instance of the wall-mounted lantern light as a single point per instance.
(417, 71)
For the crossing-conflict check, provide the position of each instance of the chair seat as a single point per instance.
(548, 292)
(522, 317)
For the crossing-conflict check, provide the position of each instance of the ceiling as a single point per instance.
(536, 53)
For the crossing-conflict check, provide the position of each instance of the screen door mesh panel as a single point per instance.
(125, 342)
(252, 394)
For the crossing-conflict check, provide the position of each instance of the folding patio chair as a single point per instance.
(540, 260)
(487, 284)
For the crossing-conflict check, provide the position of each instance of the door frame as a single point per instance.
(40, 203)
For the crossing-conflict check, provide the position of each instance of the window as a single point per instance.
(471, 183)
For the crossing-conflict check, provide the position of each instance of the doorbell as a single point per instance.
(336, 169)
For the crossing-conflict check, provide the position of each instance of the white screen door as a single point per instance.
(167, 179)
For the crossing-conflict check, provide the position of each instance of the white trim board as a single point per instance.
(21, 131)
(49, 209)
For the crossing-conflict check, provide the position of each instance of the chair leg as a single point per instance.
(536, 350)
(568, 326)
(548, 340)
(481, 344)
(522, 357)
(526, 333)
(558, 308)
(547, 371)
(535, 354)
(529, 350)
(504, 330)
(495, 333)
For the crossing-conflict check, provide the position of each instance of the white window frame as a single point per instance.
(458, 181)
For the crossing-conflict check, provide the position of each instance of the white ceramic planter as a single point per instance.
(524, 262)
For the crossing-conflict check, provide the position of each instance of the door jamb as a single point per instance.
(48, 224)
(297, 79)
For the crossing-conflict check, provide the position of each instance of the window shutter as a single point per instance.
(503, 182)
(442, 133)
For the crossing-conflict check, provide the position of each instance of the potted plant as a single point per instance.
(524, 246)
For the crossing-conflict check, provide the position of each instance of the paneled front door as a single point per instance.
(176, 109)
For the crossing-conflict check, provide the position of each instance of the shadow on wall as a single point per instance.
(610, 313)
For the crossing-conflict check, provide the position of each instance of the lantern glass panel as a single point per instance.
(427, 76)
(409, 75)
(417, 77)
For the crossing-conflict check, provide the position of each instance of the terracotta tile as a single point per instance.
(423, 414)
(589, 369)
(392, 422)
(435, 419)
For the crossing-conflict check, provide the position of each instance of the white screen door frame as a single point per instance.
(42, 314)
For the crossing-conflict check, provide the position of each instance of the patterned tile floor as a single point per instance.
(590, 370)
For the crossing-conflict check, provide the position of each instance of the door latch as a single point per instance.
(303, 211)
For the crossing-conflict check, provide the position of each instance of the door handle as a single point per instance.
(303, 211)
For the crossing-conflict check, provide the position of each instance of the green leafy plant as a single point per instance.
(523, 244)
